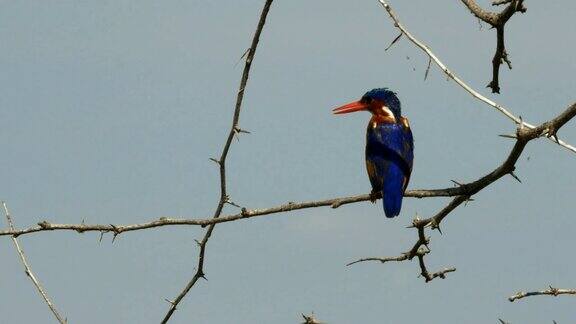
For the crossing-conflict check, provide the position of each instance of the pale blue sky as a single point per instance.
(110, 111)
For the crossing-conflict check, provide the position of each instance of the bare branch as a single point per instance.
(459, 81)
(245, 213)
(551, 291)
(28, 270)
(234, 129)
(498, 21)
(402, 257)
(430, 276)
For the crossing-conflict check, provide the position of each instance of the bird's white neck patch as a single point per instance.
(388, 112)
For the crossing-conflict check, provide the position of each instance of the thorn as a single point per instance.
(521, 122)
(508, 136)
(116, 231)
(243, 56)
(456, 183)
(394, 41)
(467, 201)
(435, 226)
(229, 202)
(515, 176)
(170, 302)
(215, 160)
(554, 290)
(198, 242)
(240, 130)
(439, 230)
(428, 68)
(202, 275)
(101, 236)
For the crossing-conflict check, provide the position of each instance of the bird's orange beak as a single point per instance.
(350, 107)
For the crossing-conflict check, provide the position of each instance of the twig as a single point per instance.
(222, 162)
(28, 270)
(498, 21)
(459, 81)
(551, 291)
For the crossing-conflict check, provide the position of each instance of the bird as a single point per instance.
(389, 147)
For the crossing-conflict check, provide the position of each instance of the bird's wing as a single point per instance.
(407, 149)
(374, 175)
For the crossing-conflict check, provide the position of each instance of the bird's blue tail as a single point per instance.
(393, 191)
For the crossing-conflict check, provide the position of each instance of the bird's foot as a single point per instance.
(374, 195)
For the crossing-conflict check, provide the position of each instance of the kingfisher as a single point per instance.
(389, 147)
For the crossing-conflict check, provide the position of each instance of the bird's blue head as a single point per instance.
(381, 102)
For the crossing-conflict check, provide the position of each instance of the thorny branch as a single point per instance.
(28, 270)
(497, 21)
(551, 291)
(116, 230)
(460, 82)
(234, 130)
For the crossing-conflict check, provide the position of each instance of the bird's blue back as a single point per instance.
(389, 158)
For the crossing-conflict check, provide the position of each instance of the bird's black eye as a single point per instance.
(366, 100)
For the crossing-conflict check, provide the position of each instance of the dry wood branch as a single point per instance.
(523, 136)
(224, 198)
(28, 270)
(117, 229)
(430, 276)
(498, 21)
(551, 291)
(460, 82)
